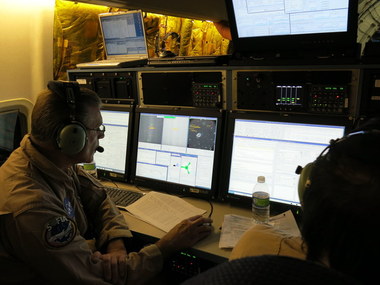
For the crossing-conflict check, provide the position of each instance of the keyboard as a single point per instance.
(123, 197)
(113, 63)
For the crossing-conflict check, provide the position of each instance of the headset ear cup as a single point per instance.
(72, 138)
(304, 180)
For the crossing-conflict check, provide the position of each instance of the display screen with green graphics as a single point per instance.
(179, 149)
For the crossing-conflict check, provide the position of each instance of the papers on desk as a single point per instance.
(162, 210)
(234, 226)
(286, 223)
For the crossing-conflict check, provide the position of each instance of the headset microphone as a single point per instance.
(99, 149)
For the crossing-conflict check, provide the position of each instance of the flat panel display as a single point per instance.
(274, 147)
(293, 25)
(113, 162)
(13, 127)
(8, 131)
(177, 150)
(289, 17)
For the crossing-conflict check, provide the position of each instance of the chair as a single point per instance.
(268, 270)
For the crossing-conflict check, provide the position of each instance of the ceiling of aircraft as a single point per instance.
(214, 10)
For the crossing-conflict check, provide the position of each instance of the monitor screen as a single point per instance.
(123, 33)
(112, 163)
(8, 121)
(274, 147)
(279, 25)
(12, 129)
(274, 18)
(177, 150)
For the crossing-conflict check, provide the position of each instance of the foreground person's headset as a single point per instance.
(304, 180)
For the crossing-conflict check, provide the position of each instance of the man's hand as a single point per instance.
(185, 234)
(114, 262)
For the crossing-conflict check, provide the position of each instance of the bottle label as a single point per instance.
(89, 166)
(260, 199)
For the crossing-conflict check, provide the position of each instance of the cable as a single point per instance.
(142, 188)
(108, 180)
(207, 200)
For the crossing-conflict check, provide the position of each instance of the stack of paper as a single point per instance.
(234, 226)
(162, 210)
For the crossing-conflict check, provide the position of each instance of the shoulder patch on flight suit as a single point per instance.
(59, 231)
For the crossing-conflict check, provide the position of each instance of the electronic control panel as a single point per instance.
(207, 94)
(200, 89)
(311, 91)
(112, 87)
(328, 99)
(181, 265)
(184, 265)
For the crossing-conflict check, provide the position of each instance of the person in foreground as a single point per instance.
(50, 209)
(340, 195)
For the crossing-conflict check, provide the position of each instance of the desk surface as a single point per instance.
(208, 247)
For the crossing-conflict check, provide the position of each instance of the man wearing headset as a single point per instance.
(340, 194)
(50, 208)
(278, 242)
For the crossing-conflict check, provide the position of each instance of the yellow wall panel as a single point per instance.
(77, 35)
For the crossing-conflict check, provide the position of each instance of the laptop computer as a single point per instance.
(124, 40)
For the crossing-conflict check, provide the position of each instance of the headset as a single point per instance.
(71, 137)
(160, 48)
(304, 181)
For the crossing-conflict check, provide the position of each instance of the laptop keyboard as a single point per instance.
(123, 197)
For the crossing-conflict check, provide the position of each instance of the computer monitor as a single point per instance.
(113, 162)
(273, 145)
(293, 27)
(177, 150)
(13, 126)
(123, 33)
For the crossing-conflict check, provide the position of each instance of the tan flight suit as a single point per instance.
(45, 213)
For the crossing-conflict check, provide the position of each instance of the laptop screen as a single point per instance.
(123, 33)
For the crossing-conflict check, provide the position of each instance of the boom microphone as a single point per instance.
(99, 149)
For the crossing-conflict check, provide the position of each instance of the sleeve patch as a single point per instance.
(59, 231)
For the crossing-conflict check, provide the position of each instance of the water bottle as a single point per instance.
(90, 168)
(260, 201)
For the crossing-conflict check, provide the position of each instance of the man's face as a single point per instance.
(93, 135)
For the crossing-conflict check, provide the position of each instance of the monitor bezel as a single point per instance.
(112, 175)
(176, 188)
(319, 45)
(244, 201)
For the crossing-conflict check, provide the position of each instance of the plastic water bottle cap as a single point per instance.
(261, 179)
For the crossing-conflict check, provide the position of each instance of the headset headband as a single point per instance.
(67, 90)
